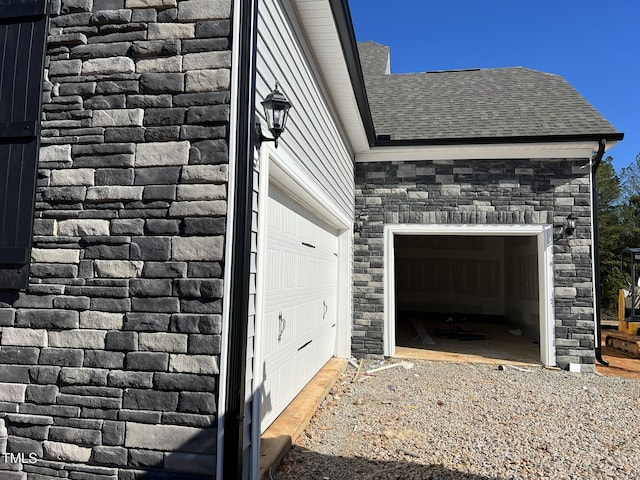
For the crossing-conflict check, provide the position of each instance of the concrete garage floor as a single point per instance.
(499, 347)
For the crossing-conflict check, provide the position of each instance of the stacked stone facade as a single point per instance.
(478, 192)
(110, 357)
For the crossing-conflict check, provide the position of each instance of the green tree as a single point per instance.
(611, 232)
(630, 204)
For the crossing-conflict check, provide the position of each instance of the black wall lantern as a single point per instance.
(570, 225)
(276, 111)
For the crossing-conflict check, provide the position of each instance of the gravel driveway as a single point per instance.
(440, 420)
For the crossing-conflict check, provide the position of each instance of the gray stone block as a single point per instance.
(12, 392)
(62, 357)
(198, 45)
(162, 154)
(205, 344)
(89, 402)
(155, 304)
(105, 102)
(162, 117)
(111, 16)
(164, 269)
(162, 227)
(217, 28)
(150, 400)
(201, 192)
(157, 176)
(65, 452)
(114, 193)
(82, 376)
(109, 455)
(72, 303)
(118, 118)
(150, 287)
(15, 373)
(169, 438)
(155, 48)
(191, 323)
(100, 50)
(25, 337)
(41, 394)
(78, 436)
(121, 341)
(118, 86)
(162, 134)
(33, 432)
(101, 359)
(145, 458)
(204, 173)
(200, 364)
(132, 226)
(147, 321)
(197, 402)
(205, 270)
(163, 342)
(208, 114)
(147, 361)
(123, 379)
(124, 134)
(24, 445)
(197, 248)
(113, 433)
(107, 252)
(64, 194)
(149, 102)
(44, 375)
(118, 268)
(201, 306)
(198, 288)
(93, 339)
(182, 382)
(160, 83)
(19, 355)
(101, 320)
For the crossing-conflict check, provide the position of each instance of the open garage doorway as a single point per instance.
(470, 290)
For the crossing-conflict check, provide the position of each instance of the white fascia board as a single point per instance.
(318, 25)
(481, 152)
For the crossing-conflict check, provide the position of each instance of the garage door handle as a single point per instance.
(282, 324)
(325, 309)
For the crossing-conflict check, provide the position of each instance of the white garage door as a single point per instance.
(301, 273)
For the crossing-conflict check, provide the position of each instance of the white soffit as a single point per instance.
(481, 151)
(316, 19)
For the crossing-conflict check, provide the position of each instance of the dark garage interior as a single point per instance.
(468, 294)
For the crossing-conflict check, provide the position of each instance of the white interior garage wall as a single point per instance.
(516, 248)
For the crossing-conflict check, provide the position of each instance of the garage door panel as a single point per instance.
(300, 301)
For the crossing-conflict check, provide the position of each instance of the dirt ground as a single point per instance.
(620, 365)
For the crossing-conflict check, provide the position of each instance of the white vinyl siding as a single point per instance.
(312, 137)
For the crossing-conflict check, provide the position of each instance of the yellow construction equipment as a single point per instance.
(627, 339)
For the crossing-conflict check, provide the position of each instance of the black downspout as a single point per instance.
(233, 441)
(596, 250)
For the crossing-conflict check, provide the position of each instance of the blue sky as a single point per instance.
(594, 44)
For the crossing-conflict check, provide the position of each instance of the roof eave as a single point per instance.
(609, 137)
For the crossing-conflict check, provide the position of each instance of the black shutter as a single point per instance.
(23, 33)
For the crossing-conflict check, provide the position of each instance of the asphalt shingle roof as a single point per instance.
(479, 103)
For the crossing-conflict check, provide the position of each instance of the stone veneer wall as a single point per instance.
(477, 192)
(110, 358)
